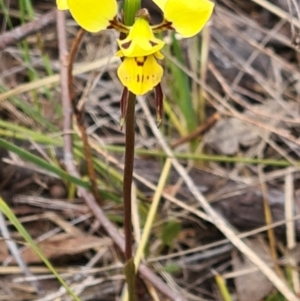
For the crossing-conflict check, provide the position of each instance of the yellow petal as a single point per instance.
(62, 4)
(187, 17)
(119, 53)
(140, 40)
(161, 4)
(140, 74)
(93, 15)
(159, 55)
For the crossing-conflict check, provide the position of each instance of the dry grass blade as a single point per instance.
(290, 228)
(217, 220)
(108, 62)
(278, 11)
(12, 246)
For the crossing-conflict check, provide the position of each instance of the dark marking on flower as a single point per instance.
(140, 61)
(153, 43)
(139, 79)
(126, 45)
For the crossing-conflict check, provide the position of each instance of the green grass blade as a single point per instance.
(182, 90)
(42, 163)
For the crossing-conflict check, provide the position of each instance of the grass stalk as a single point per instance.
(223, 289)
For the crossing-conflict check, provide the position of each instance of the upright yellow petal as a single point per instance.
(93, 15)
(140, 74)
(62, 4)
(160, 3)
(187, 17)
(140, 40)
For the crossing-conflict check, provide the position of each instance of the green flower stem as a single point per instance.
(130, 9)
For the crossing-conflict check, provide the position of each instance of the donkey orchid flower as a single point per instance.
(140, 72)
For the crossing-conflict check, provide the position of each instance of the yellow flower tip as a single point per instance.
(140, 74)
(62, 4)
(186, 17)
(140, 40)
(159, 55)
(119, 53)
(92, 15)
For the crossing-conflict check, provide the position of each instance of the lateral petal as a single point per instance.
(62, 4)
(93, 15)
(161, 4)
(187, 17)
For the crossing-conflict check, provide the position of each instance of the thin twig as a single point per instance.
(67, 110)
(79, 69)
(21, 32)
(79, 115)
(269, 221)
(278, 11)
(199, 130)
(290, 227)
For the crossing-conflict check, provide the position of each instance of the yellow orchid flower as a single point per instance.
(141, 74)
(185, 16)
(140, 40)
(140, 71)
(92, 15)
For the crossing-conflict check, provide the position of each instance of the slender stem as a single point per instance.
(130, 9)
(19, 33)
(128, 170)
(79, 115)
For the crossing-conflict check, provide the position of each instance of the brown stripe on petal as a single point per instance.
(138, 78)
(126, 45)
(153, 43)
